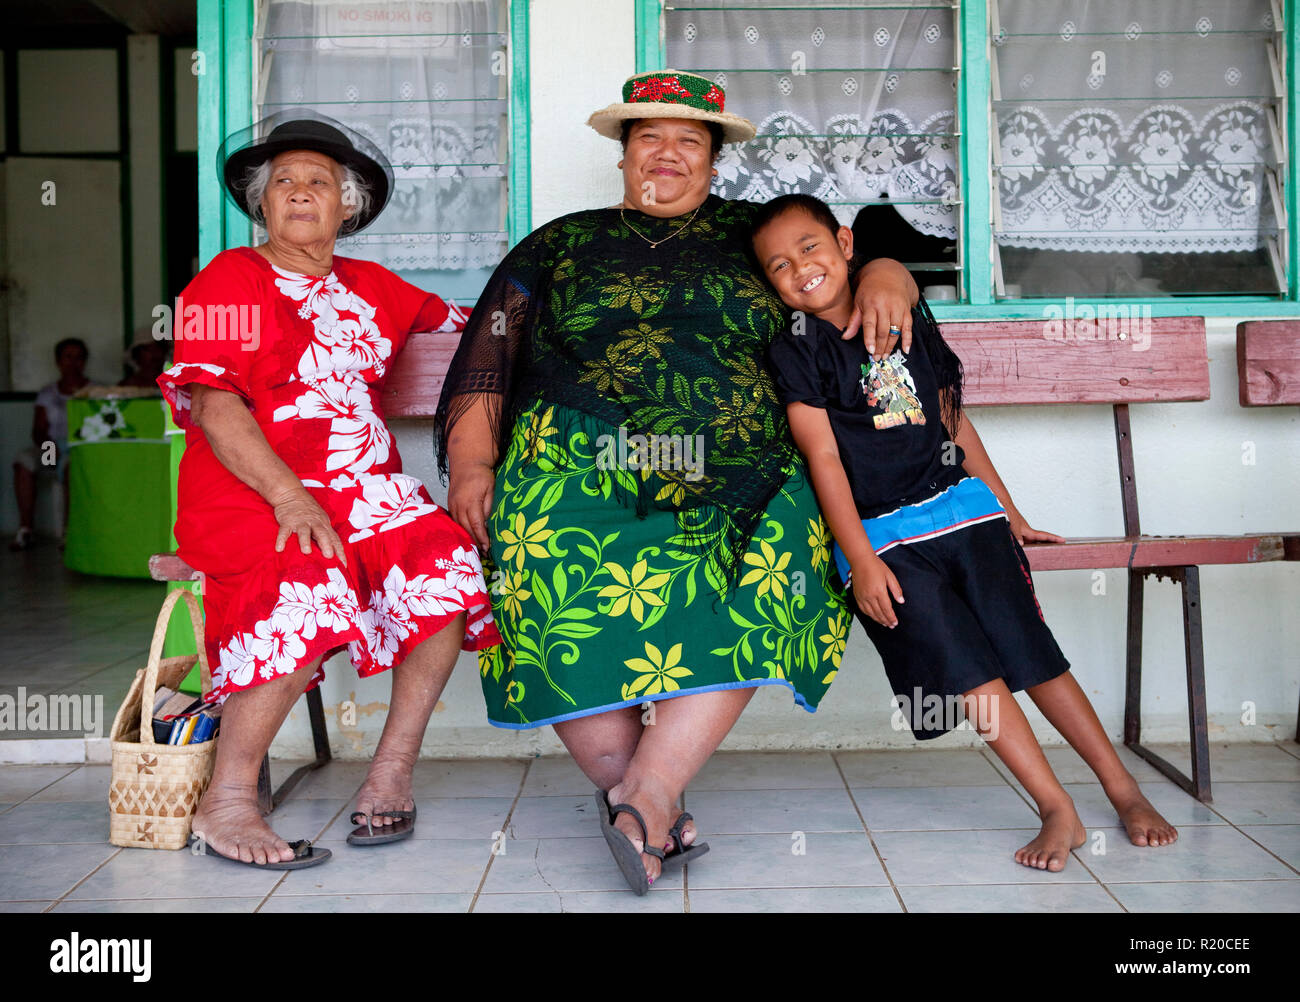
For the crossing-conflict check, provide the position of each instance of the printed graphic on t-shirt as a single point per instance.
(889, 386)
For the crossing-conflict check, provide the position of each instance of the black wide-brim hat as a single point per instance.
(304, 129)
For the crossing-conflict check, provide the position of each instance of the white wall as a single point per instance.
(1059, 463)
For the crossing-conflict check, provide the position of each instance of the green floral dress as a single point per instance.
(624, 566)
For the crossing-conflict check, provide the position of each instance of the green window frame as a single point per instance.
(973, 90)
(225, 38)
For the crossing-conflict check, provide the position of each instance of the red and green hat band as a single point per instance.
(675, 88)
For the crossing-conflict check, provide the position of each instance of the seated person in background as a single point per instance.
(149, 357)
(49, 425)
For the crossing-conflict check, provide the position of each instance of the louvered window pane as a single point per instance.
(854, 103)
(1137, 147)
(425, 81)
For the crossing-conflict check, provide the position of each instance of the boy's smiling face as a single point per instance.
(807, 264)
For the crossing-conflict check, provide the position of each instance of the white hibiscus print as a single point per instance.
(277, 645)
(387, 504)
(381, 635)
(181, 395)
(464, 571)
(358, 443)
(334, 604)
(340, 343)
(297, 606)
(237, 663)
(359, 439)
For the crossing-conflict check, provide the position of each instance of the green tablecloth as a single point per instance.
(119, 489)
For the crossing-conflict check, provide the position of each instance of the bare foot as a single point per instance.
(659, 811)
(230, 821)
(1144, 824)
(387, 787)
(1050, 850)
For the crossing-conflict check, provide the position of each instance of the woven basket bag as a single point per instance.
(155, 788)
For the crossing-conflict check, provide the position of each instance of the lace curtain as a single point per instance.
(1134, 125)
(425, 81)
(855, 106)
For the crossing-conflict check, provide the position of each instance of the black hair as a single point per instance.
(808, 204)
(715, 135)
(70, 342)
(947, 366)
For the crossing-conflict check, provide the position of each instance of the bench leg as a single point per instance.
(1133, 660)
(1199, 783)
(321, 742)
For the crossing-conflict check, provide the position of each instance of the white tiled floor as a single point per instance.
(853, 831)
(850, 831)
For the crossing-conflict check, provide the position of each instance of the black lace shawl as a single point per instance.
(664, 341)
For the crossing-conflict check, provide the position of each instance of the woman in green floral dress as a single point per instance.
(615, 445)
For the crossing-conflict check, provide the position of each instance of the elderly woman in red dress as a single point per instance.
(292, 501)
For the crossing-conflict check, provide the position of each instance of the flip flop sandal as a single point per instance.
(368, 835)
(304, 855)
(680, 854)
(621, 847)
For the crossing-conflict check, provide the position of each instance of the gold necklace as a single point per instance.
(622, 211)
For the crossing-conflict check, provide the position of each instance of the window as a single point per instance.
(1136, 150)
(855, 104)
(1013, 152)
(427, 81)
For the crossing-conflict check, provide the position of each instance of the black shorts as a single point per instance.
(969, 616)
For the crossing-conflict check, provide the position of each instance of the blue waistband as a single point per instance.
(964, 503)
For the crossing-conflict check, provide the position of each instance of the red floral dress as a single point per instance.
(309, 355)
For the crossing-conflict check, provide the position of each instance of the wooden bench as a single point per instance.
(1033, 362)
(1013, 362)
(1268, 375)
(171, 568)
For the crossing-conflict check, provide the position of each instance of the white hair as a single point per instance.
(356, 193)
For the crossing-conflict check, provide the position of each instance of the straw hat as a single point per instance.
(672, 94)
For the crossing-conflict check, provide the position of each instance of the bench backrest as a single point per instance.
(1268, 362)
(415, 380)
(1079, 362)
(1007, 362)
(1082, 362)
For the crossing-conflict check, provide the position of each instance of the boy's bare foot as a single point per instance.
(1062, 831)
(1144, 824)
(232, 824)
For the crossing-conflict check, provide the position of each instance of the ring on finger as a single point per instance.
(895, 329)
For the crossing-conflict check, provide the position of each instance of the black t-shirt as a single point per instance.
(885, 416)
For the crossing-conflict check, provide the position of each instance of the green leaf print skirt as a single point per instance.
(600, 609)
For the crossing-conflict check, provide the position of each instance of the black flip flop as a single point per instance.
(680, 853)
(304, 855)
(365, 835)
(621, 847)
